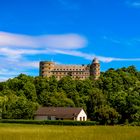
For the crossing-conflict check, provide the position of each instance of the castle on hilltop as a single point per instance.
(49, 68)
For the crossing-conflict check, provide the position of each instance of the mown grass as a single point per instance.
(44, 132)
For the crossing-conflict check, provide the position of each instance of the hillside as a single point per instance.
(114, 98)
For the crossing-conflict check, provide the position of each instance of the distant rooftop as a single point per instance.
(59, 112)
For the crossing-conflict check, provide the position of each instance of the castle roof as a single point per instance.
(95, 60)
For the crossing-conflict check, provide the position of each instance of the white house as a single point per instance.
(60, 113)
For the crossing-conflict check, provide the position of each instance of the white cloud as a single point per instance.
(117, 41)
(17, 53)
(30, 64)
(17, 40)
(65, 41)
(15, 48)
(120, 41)
(4, 78)
(11, 67)
(48, 44)
(91, 56)
(68, 41)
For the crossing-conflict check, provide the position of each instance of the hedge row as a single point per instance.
(135, 124)
(49, 122)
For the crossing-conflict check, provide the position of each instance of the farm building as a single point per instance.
(60, 113)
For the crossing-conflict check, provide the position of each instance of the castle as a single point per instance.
(48, 69)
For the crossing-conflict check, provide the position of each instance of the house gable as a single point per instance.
(81, 116)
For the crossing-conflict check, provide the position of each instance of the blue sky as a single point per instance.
(68, 32)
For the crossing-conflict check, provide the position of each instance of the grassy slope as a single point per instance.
(40, 132)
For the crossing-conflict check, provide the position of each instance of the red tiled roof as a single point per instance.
(58, 112)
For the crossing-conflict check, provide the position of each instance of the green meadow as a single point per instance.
(46, 132)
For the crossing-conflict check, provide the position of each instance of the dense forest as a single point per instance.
(113, 98)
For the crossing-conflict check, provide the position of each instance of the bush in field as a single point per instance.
(106, 115)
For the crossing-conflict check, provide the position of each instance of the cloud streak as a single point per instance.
(49, 44)
(67, 41)
(15, 49)
(91, 56)
(127, 42)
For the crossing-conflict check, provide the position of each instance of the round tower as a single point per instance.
(46, 68)
(95, 69)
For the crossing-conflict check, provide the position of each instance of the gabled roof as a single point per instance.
(58, 112)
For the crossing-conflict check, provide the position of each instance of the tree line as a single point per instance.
(112, 99)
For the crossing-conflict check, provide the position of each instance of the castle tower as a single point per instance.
(95, 69)
(46, 68)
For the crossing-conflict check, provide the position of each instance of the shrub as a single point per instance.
(49, 122)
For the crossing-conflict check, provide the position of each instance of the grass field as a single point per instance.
(44, 132)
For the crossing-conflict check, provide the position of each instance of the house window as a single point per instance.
(53, 118)
(84, 118)
(80, 118)
(49, 117)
